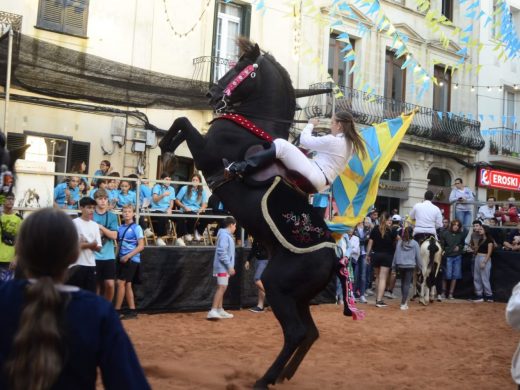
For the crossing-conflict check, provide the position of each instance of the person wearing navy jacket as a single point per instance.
(54, 336)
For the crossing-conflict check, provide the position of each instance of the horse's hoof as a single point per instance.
(260, 385)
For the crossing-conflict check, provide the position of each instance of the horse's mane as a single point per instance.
(246, 47)
(286, 80)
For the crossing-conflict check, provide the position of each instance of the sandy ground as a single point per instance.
(448, 345)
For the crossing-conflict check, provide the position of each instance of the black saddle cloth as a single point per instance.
(294, 222)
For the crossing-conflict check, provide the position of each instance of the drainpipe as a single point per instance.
(8, 76)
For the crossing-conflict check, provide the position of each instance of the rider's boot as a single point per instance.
(252, 163)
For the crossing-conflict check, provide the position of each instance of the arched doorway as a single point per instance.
(391, 189)
(439, 181)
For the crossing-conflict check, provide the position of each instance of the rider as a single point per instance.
(333, 151)
(428, 218)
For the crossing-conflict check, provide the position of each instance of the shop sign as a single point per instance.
(499, 179)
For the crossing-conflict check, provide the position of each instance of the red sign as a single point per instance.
(499, 179)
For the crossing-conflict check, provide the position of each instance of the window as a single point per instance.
(447, 9)
(64, 152)
(395, 77)
(392, 172)
(439, 177)
(232, 21)
(442, 91)
(339, 69)
(64, 16)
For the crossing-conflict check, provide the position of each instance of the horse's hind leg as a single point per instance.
(311, 336)
(294, 331)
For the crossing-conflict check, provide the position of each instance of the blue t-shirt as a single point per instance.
(93, 192)
(94, 337)
(192, 201)
(60, 196)
(145, 192)
(113, 195)
(128, 240)
(123, 199)
(164, 203)
(108, 220)
(99, 172)
(320, 200)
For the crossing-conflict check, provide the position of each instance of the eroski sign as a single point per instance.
(499, 179)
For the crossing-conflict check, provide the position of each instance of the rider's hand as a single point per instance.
(314, 121)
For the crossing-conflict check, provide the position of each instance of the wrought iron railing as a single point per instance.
(504, 142)
(427, 123)
(208, 70)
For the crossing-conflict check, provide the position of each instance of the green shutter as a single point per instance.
(50, 15)
(76, 17)
(78, 152)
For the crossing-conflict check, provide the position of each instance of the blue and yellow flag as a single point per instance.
(355, 190)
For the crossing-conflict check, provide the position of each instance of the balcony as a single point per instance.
(368, 109)
(208, 70)
(504, 145)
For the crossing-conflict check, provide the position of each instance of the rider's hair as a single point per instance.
(382, 223)
(46, 245)
(428, 195)
(199, 189)
(346, 121)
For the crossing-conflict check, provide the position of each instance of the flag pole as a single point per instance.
(8, 77)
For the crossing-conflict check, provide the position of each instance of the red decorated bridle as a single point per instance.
(248, 71)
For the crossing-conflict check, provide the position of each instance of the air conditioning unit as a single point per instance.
(140, 135)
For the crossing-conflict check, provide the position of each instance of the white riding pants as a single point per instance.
(295, 160)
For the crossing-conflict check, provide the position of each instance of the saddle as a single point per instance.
(274, 169)
(293, 221)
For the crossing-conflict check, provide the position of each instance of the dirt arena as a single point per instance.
(449, 345)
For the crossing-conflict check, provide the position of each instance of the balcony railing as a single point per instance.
(368, 109)
(208, 70)
(504, 142)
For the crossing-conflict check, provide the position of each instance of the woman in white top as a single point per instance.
(333, 152)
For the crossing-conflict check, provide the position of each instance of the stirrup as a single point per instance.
(228, 172)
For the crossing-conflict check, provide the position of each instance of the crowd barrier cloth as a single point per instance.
(180, 279)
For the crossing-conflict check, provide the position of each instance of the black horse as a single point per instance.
(266, 97)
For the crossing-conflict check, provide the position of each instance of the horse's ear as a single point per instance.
(256, 52)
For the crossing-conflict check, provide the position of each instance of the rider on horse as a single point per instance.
(428, 218)
(333, 152)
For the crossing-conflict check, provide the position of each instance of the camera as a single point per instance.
(8, 238)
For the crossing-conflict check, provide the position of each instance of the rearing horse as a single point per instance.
(260, 89)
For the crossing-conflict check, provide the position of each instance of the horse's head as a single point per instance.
(239, 82)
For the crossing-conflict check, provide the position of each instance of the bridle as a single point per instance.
(248, 71)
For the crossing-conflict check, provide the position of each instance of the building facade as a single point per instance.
(196, 41)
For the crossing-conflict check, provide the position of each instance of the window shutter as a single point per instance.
(78, 152)
(75, 17)
(50, 15)
(15, 141)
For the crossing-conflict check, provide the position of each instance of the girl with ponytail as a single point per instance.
(54, 336)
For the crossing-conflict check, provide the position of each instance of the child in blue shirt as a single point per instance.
(192, 199)
(105, 258)
(125, 196)
(130, 240)
(163, 197)
(223, 267)
(66, 194)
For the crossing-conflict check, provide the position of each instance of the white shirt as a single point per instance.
(353, 242)
(332, 154)
(486, 212)
(88, 231)
(427, 217)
